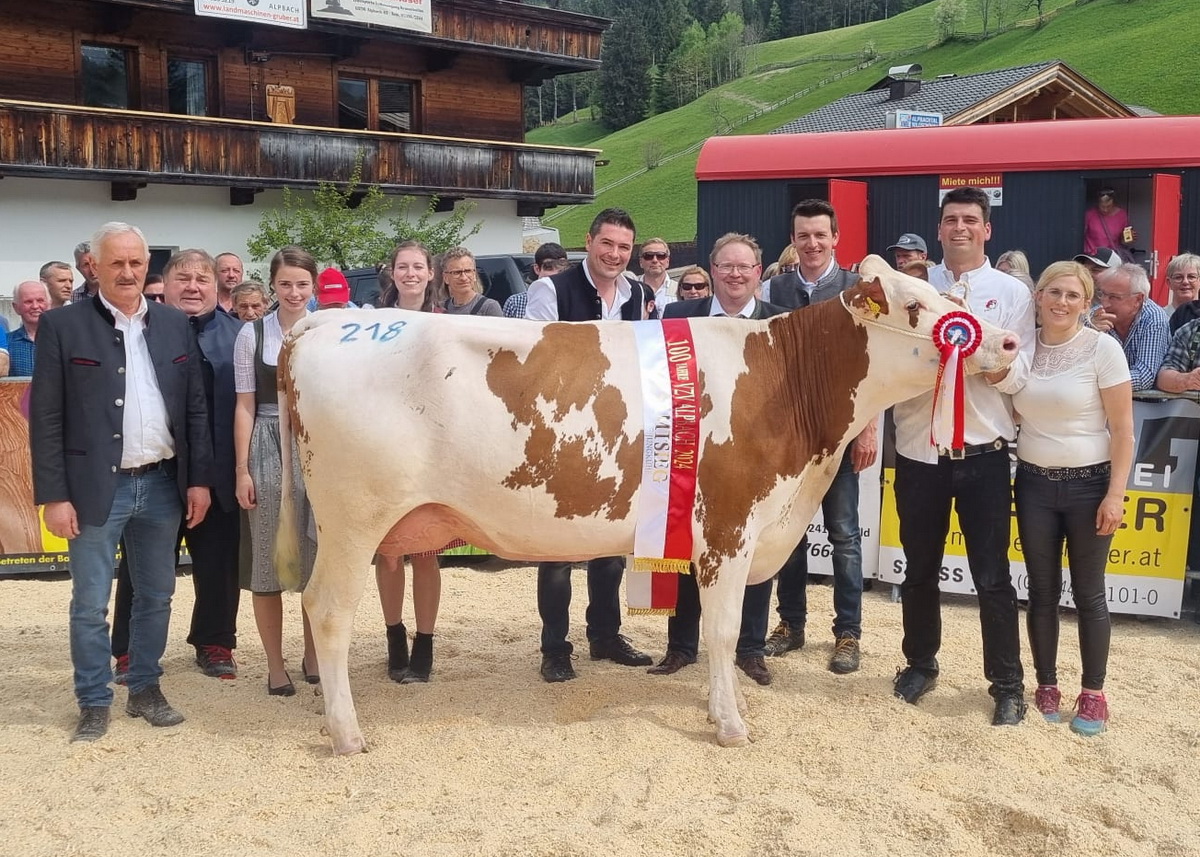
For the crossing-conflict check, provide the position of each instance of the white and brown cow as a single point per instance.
(526, 440)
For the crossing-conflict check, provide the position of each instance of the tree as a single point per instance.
(774, 22)
(624, 85)
(948, 16)
(344, 225)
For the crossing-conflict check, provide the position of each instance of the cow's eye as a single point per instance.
(912, 306)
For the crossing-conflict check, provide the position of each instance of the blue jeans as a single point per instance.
(840, 509)
(146, 509)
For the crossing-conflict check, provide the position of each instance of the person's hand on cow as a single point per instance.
(199, 499)
(865, 448)
(61, 519)
(245, 489)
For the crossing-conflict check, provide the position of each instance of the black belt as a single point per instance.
(145, 468)
(973, 449)
(1062, 474)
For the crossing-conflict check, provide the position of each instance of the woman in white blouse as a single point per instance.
(1074, 452)
(260, 474)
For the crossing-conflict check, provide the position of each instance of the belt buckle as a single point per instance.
(957, 454)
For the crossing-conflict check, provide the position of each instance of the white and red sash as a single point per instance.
(662, 542)
(957, 335)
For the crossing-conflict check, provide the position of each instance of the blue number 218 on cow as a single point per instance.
(379, 334)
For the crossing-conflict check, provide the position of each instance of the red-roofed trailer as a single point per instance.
(885, 183)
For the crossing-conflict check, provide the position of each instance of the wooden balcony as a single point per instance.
(131, 149)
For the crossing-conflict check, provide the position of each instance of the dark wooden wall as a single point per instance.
(474, 96)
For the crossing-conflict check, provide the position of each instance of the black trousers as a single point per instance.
(979, 488)
(1049, 513)
(213, 546)
(683, 629)
(554, 601)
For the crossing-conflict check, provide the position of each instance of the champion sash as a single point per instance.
(662, 541)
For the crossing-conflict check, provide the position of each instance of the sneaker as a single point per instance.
(846, 655)
(784, 639)
(910, 684)
(557, 668)
(216, 661)
(1047, 700)
(1091, 714)
(121, 670)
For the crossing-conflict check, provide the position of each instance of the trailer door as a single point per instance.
(1167, 198)
(849, 200)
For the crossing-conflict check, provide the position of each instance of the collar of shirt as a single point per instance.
(201, 321)
(138, 315)
(808, 287)
(943, 271)
(745, 312)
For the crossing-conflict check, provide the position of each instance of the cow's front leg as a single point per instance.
(721, 608)
(331, 598)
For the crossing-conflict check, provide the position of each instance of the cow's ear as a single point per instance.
(870, 298)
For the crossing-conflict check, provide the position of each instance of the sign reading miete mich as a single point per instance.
(990, 183)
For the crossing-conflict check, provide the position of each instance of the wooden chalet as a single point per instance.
(163, 110)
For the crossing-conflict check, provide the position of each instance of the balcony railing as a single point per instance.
(63, 141)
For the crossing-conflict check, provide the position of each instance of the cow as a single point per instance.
(526, 439)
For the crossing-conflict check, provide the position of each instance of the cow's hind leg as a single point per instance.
(330, 599)
(721, 608)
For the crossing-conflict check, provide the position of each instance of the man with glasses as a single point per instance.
(153, 290)
(1140, 325)
(819, 278)
(548, 260)
(656, 258)
(736, 264)
(1183, 278)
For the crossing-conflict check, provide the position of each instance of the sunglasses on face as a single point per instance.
(160, 297)
(692, 287)
(660, 255)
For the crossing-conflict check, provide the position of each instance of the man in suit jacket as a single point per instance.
(190, 284)
(736, 265)
(594, 290)
(121, 446)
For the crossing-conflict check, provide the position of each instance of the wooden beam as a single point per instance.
(126, 191)
(243, 195)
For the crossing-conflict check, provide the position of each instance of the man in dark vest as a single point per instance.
(736, 266)
(595, 290)
(819, 278)
(120, 442)
(190, 285)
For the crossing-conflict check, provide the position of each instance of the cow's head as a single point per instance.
(905, 310)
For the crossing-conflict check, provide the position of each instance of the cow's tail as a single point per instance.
(288, 533)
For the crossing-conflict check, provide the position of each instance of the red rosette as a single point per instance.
(960, 330)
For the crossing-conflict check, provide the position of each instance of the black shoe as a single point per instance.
(397, 648)
(310, 677)
(286, 689)
(672, 663)
(151, 704)
(784, 639)
(910, 684)
(756, 668)
(421, 663)
(557, 668)
(93, 723)
(618, 650)
(1010, 710)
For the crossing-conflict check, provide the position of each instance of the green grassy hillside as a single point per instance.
(1124, 47)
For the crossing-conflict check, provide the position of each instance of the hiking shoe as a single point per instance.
(846, 655)
(784, 639)
(1010, 710)
(121, 670)
(93, 724)
(910, 684)
(1047, 700)
(152, 705)
(1091, 714)
(216, 661)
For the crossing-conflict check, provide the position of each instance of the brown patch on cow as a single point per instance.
(706, 402)
(285, 385)
(792, 406)
(868, 296)
(565, 369)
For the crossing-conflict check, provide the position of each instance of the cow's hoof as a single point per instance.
(741, 739)
(349, 746)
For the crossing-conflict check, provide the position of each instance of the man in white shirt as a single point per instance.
(975, 480)
(656, 259)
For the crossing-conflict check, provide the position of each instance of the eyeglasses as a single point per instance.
(1109, 296)
(693, 287)
(1184, 278)
(730, 267)
(1060, 295)
(655, 254)
(160, 297)
(465, 272)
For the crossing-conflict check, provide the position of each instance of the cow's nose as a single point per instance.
(1011, 343)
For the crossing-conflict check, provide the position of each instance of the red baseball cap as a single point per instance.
(332, 288)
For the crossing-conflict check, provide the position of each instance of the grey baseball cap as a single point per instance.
(910, 241)
(1104, 257)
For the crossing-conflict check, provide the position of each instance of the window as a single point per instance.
(107, 72)
(376, 104)
(187, 86)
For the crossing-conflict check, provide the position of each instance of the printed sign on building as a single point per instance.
(281, 13)
(990, 183)
(1147, 559)
(399, 14)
